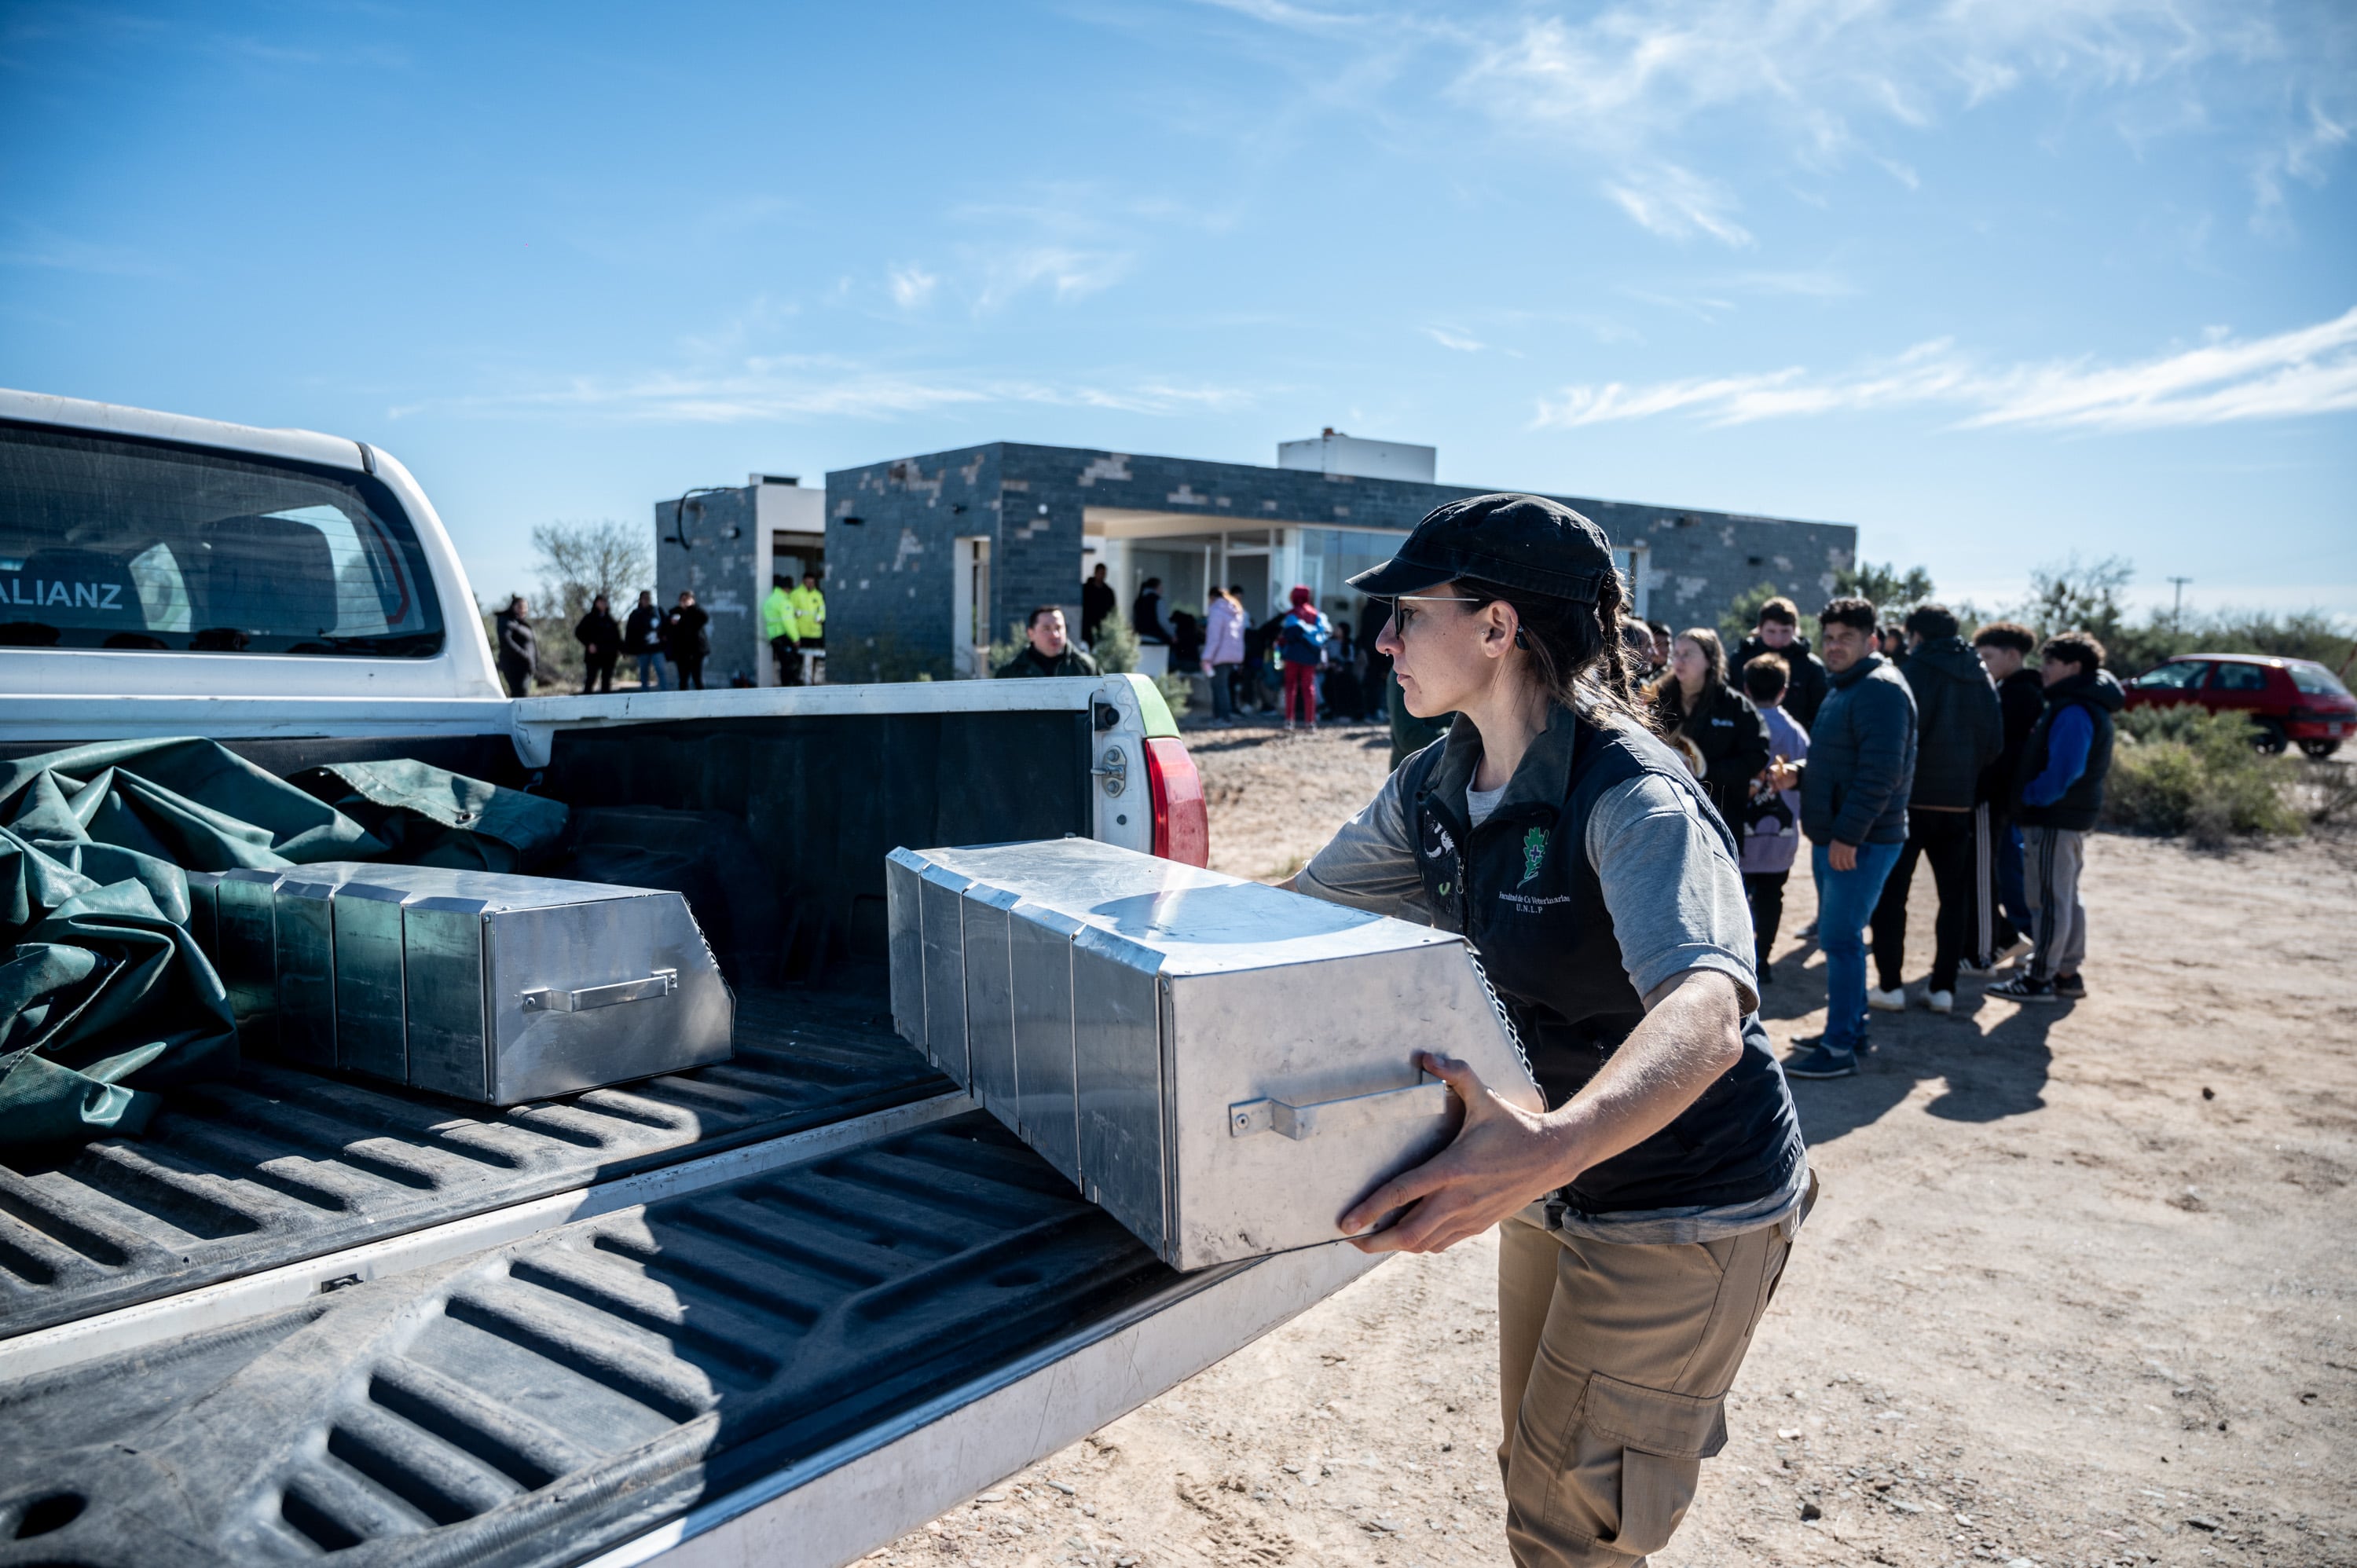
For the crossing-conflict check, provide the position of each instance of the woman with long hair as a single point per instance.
(1223, 650)
(1693, 702)
(1646, 1213)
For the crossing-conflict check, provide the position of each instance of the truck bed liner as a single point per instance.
(539, 1401)
(281, 1165)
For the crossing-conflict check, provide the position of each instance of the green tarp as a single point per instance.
(105, 998)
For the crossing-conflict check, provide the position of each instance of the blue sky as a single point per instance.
(1996, 280)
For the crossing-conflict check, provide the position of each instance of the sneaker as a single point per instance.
(2012, 947)
(2070, 988)
(1977, 966)
(2024, 988)
(1814, 1060)
(1940, 1001)
(1893, 1001)
(1807, 933)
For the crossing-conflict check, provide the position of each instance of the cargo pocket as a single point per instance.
(1663, 1440)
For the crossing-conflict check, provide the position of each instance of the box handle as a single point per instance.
(1429, 1097)
(661, 983)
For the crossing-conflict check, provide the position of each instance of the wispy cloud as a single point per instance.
(1457, 340)
(2304, 154)
(1067, 271)
(1678, 203)
(30, 245)
(1632, 90)
(912, 285)
(2310, 371)
(804, 387)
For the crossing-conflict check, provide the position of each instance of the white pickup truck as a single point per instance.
(777, 1310)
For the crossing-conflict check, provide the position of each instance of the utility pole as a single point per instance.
(2177, 611)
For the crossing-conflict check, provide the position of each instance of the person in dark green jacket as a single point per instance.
(1050, 652)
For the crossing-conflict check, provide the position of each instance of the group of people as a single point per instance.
(793, 623)
(1296, 663)
(678, 639)
(1896, 743)
(1293, 663)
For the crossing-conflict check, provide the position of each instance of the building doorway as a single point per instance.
(970, 608)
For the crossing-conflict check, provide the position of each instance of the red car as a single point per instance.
(2292, 702)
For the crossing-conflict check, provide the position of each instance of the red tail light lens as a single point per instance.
(1182, 822)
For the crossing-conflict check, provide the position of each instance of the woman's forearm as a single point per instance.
(1692, 1034)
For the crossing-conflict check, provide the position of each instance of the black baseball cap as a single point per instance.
(1516, 541)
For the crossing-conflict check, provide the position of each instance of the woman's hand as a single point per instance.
(1502, 1158)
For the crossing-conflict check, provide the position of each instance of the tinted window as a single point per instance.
(2240, 678)
(2179, 677)
(2316, 680)
(116, 544)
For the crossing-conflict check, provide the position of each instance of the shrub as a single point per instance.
(1002, 652)
(2186, 770)
(1741, 618)
(1116, 649)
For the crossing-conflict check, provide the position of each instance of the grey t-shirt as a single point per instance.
(1675, 896)
(1677, 902)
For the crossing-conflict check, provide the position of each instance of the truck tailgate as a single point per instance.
(655, 1377)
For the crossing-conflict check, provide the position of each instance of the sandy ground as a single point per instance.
(2080, 1289)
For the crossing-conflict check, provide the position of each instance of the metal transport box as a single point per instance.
(480, 985)
(1223, 1066)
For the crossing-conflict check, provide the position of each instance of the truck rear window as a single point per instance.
(136, 545)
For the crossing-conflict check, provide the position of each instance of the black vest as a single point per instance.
(1521, 888)
(2083, 802)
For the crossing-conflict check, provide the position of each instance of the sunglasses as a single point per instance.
(1404, 618)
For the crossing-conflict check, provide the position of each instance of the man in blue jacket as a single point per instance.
(2063, 766)
(1853, 791)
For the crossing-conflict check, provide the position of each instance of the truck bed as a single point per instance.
(539, 1401)
(280, 1164)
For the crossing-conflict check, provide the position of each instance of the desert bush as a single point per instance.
(2331, 793)
(1116, 649)
(1892, 591)
(2186, 770)
(1740, 619)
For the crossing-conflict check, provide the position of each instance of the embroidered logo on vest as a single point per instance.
(1534, 844)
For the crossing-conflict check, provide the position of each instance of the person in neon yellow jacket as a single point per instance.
(777, 625)
(809, 611)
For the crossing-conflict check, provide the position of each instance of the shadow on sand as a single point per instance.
(1991, 1055)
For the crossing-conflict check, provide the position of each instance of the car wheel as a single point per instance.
(2269, 736)
(2319, 749)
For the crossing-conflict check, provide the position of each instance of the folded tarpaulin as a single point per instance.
(432, 817)
(105, 1000)
(105, 996)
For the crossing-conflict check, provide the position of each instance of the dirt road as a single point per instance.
(2083, 1288)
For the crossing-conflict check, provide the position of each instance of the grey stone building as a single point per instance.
(930, 558)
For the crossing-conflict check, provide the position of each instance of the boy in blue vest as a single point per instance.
(2063, 766)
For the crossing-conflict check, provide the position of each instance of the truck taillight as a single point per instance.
(1182, 823)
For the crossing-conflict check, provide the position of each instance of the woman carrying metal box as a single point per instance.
(1645, 1218)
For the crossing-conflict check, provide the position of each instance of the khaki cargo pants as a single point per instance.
(1614, 1363)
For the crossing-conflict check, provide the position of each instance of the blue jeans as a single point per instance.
(650, 667)
(1846, 901)
(1223, 696)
